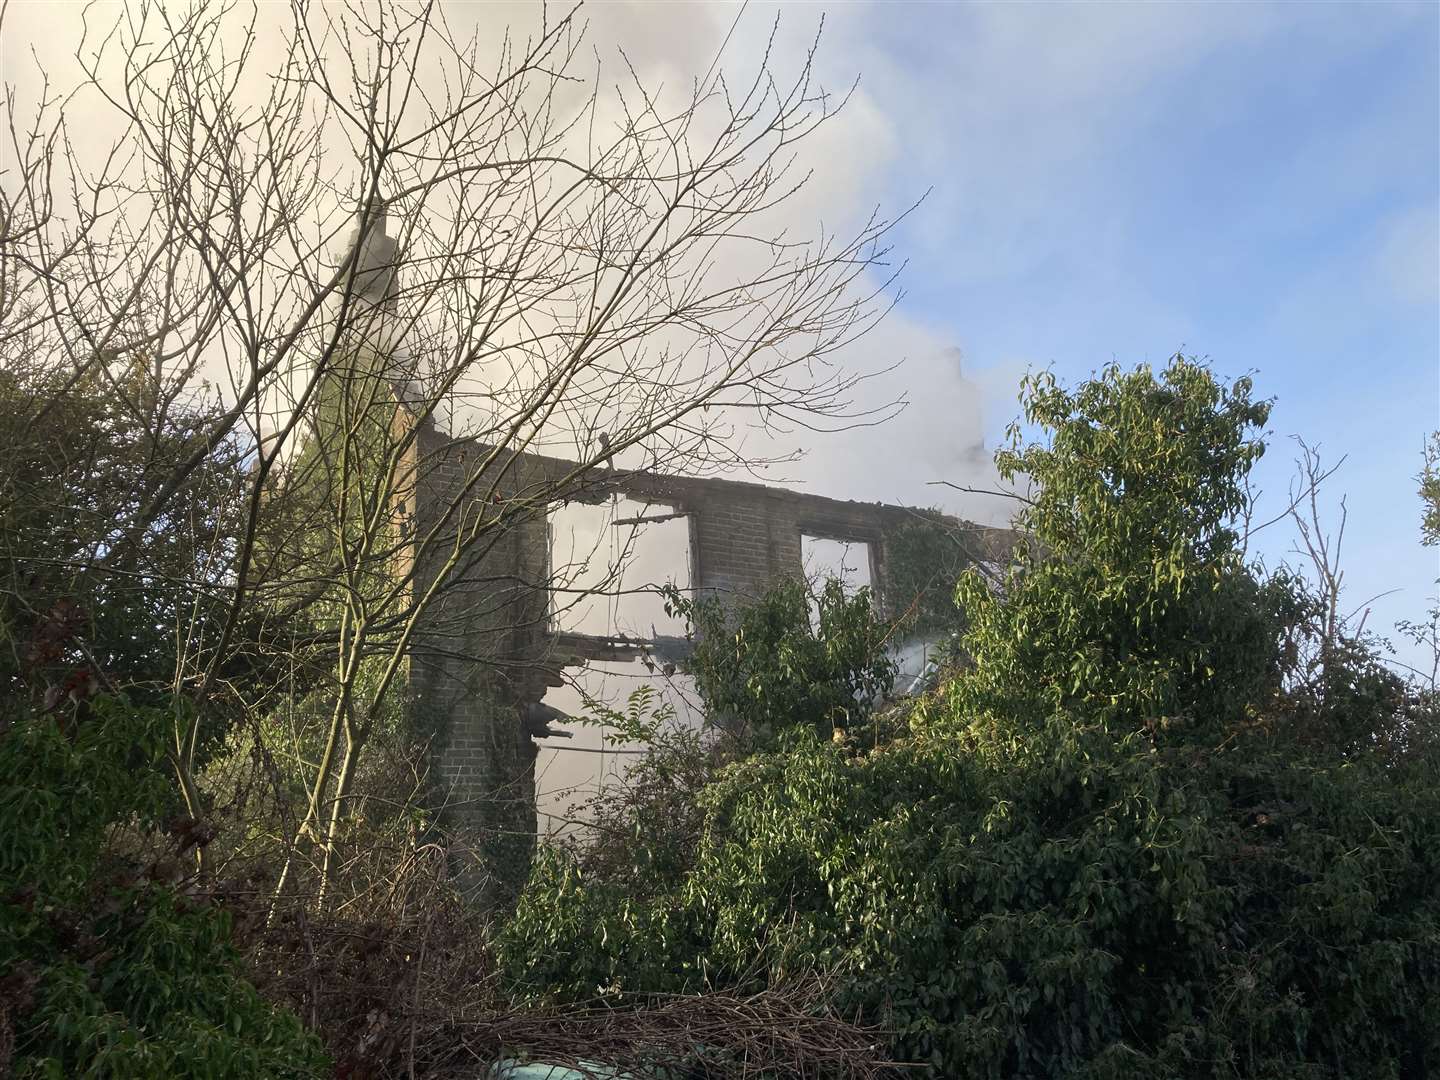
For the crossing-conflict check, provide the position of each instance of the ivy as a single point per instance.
(766, 666)
(108, 971)
(1120, 843)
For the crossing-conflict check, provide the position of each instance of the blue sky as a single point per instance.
(1255, 184)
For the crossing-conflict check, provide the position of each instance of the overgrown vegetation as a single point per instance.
(110, 969)
(1139, 836)
(1430, 492)
(1168, 818)
(771, 667)
(81, 459)
(922, 563)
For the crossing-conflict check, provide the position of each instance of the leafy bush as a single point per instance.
(1430, 492)
(763, 667)
(1125, 843)
(109, 970)
(82, 457)
(645, 828)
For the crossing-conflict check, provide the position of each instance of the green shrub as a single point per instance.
(763, 667)
(1124, 843)
(110, 971)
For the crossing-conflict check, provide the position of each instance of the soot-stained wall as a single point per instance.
(484, 648)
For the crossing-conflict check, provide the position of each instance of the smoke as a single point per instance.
(939, 442)
(928, 454)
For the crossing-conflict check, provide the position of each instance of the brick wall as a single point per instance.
(482, 647)
(474, 657)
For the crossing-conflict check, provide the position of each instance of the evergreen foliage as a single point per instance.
(1126, 842)
(82, 458)
(1430, 492)
(1129, 605)
(767, 667)
(109, 971)
(923, 560)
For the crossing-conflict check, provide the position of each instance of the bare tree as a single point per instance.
(374, 228)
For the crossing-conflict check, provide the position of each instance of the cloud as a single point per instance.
(1408, 256)
(848, 160)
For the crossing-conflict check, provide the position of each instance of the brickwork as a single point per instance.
(472, 662)
(484, 648)
(745, 535)
(480, 555)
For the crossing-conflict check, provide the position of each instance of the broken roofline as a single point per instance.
(818, 516)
